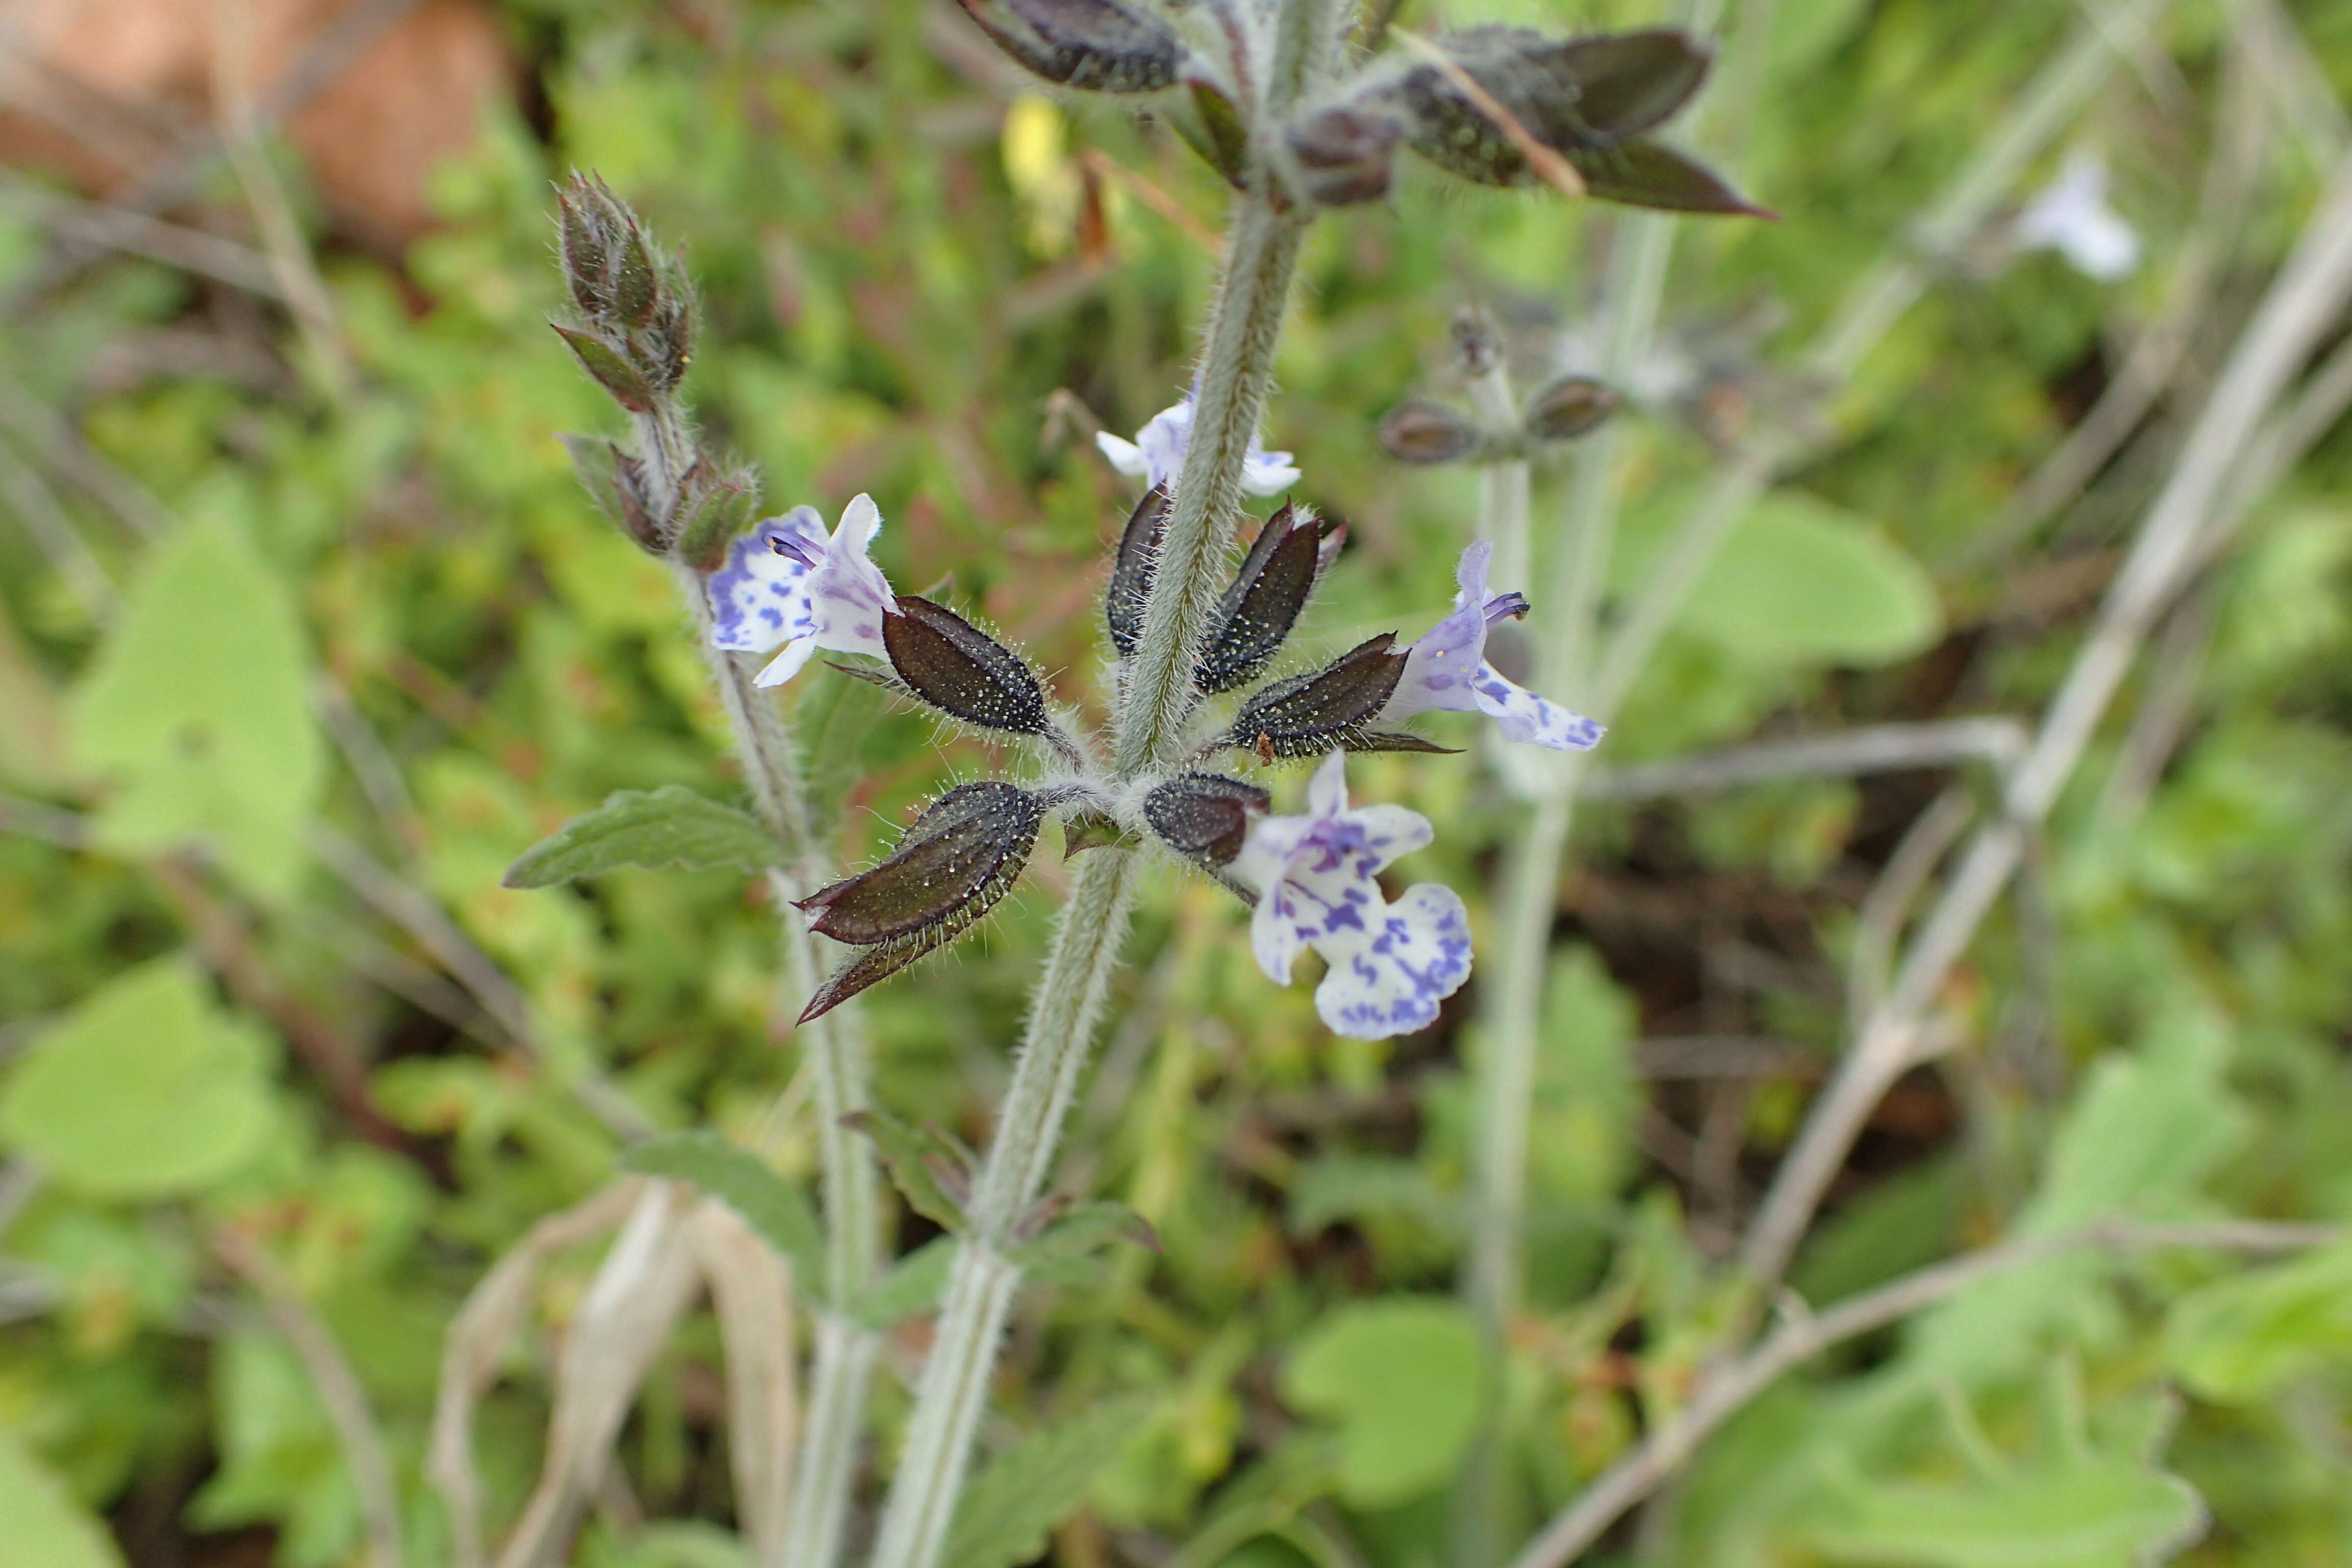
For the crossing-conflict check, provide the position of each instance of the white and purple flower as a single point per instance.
(2072, 217)
(785, 585)
(1447, 670)
(1157, 454)
(1389, 964)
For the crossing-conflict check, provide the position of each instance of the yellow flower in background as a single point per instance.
(1042, 175)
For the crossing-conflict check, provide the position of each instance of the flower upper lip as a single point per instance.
(1157, 454)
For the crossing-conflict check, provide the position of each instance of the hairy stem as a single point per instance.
(825, 1464)
(980, 1288)
(1242, 328)
(1506, 1069)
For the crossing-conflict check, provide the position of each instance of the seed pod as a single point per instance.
(1095, 46)
(1205, 816)
(1420, 432)
(1258, 610)
(1571, 406)
(1345, 153)
(1589, 98)
(1130, 573)
(959, 859)
(1627, 83)
(1642, 174)
(960, 669)
(1328, 709)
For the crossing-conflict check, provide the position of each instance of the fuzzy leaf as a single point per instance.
(2246, 1334)
(769, 1202)
(1401, 1380)
(145, 1091)
(668, 826)
(923, 1165)
(608, 369)
(1083, 1228)
(1799, 580)
(907, 1287)
(46, 1527)
(1011, 1508)
(197, 710)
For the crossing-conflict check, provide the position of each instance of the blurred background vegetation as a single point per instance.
(307, 631)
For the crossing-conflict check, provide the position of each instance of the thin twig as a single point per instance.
(54, 534)
(2301, 306)
(340, 1390)
(1880, 748)
(1671, 1445)
(135, 234)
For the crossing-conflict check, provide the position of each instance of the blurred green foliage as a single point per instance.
(379, 645)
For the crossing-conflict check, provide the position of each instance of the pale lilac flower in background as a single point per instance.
(2072, 217)
(1447, 670)
(1389, 964)
(1157, 454)
(785, 585)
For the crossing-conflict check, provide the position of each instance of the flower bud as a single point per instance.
(615, 482)
(1344, 153)
(1205, 817)
(714, 513)
(1095, 46)
(962, 670)
(1420, 432)
(605, 262)
(606, 367)
(1571, 406)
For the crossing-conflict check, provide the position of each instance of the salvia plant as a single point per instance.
(1208, 698)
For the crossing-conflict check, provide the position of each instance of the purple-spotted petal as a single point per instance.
(1524, 716)
(1388, 975)
(1440, 667)
(845, 593)
(758, 597)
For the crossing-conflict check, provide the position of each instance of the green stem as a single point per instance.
(1239, 365)
(982, 1285)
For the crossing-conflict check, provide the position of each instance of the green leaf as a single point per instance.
(835, 722)
(1084, 1229)
(1401, 1380)
(198, 709)
(668, 826)
(909, 1285)
(1011, 1507)
(2074, 1502)
(769, 1203)
(1802, 582)
(145, 1091)
(2244, 1336)
(2146, 1131)
(45, 1526)
(923, 1165)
